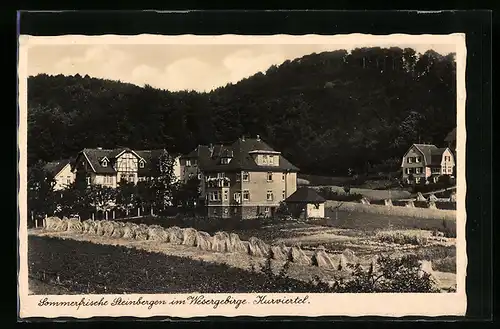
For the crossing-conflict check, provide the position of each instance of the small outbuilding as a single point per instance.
(306, 203)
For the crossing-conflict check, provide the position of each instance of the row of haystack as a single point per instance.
(219, 242)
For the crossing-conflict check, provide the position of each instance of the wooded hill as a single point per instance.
(326, 112)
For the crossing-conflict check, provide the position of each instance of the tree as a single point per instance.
(164, 183)
(102, 198)
(125, 195)
(41, 197)
(187, 194)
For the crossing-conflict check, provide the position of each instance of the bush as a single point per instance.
(448, 264)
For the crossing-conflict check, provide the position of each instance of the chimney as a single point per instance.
(258, 138)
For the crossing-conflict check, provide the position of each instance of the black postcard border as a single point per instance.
(478, 28)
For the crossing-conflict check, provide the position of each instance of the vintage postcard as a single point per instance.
(189, 176)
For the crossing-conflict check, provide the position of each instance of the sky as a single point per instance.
(177, 67)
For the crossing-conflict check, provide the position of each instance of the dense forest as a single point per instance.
(326, 112)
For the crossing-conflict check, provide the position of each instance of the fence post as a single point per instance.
(152, 211)
(93, 216)
(139, 212)
(114, 215)
(105, 214)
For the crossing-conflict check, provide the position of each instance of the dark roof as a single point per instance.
(305, 195)
(437, 156)
(452, 136)
(55, 167)
(427, 151)
(241, 159)
(95, 157)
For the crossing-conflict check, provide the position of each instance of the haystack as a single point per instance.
(86, 225)
(432, 198)
(119, 230)
(221, 242)
(350, 256)
(257, 247)
(321, 259)
(410, 204)
(189, 237)
(420, 197)
(235, 244)
(431, 205)
(51, 223)
(174, 235)
(108, 228)
(61, 225)
(157, 233)
(279, 252)
(297, 255)
(388, 202)
(129, 230)
(142, 232)
(74, 225)
(203, 241)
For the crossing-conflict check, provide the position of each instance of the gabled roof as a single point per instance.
(94, 157)
(241, 159)
(452, 136)
(437, 156)
(305, 195)
(426, 150)
(55, 167)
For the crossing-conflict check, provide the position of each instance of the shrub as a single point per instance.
(401, 238)
(449, 229)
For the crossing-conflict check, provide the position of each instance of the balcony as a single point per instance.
(214, 182)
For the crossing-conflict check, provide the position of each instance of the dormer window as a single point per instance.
(104, 163)
(225, 160)
(141, 164)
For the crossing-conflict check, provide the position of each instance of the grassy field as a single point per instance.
(89, 268)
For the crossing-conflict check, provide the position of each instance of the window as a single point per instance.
(283, 177)
(226, 195)
(270, 196)
(215, 211)
(245, 176)
(417, 170)
(226, 211)
(68, 181)
(141, 164)
(283, 195)
(104, 163)
(225, 160)
(88, 180)
(264, 159)
(188, 163)
(269, 176)
(246, 195)
(410, 160)
(417, 180)
(221, 175)
(237, 197)
(214, 196)
(271, 159)
(418, 159)
(266, 210)
(199, 176)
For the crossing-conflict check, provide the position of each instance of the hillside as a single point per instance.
(326, 112)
